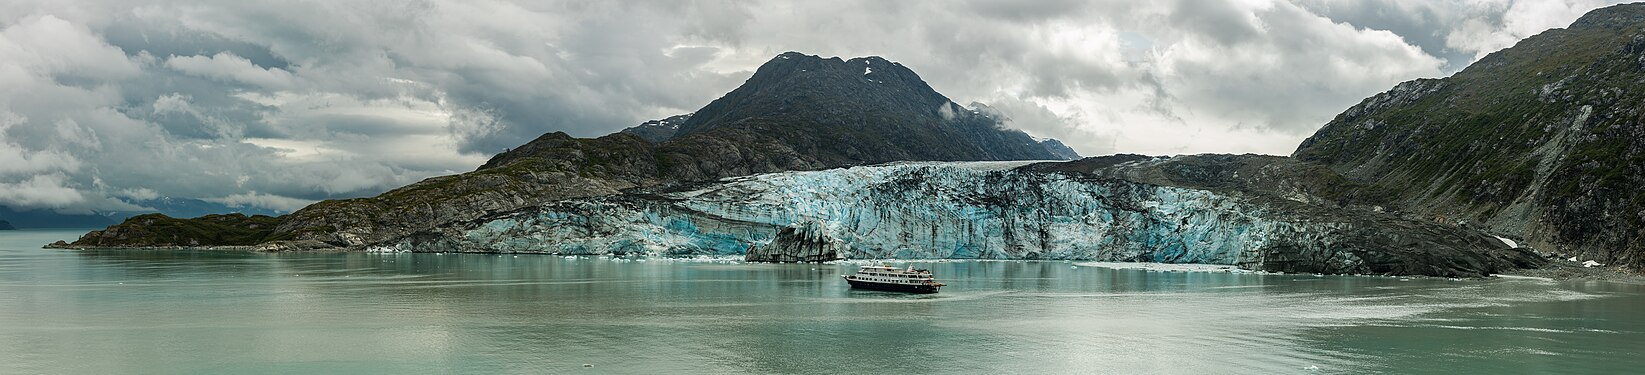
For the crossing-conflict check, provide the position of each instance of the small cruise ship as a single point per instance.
(893, 279)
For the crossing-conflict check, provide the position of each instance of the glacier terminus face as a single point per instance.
(960, 210)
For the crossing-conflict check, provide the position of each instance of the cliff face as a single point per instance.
(992, 211)
(1542, 140)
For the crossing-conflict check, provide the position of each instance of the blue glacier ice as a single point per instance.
(970, 210)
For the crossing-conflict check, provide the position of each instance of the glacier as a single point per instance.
(977, 210)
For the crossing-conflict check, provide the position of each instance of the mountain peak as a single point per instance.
(826, 89)
(867, 69)
(1618, 16)
(860, 110)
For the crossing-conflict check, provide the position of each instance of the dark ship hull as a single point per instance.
(909, 288)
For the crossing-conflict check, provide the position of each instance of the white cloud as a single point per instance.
(17, 160)
(1515, 20)
(1290, 75)
(40, 191)
(315, 100)
(228, 67)
(1040, 121)
(259, 200)
(48, 45)
(137, 194)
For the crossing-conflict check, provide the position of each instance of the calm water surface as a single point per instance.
(202, 312)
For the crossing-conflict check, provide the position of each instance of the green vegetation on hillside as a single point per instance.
(160, 230)
(1542, 140)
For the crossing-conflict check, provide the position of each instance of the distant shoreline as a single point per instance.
(1555, 271)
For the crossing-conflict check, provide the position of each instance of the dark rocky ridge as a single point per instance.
(5, 225)
(797, 112)
(1267, 175)
(1542, 141)
(1059, 150)
(158, 230)
(658, 130)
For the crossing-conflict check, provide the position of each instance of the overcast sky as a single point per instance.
(278, 104)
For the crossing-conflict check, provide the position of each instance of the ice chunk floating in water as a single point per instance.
(1162, 267)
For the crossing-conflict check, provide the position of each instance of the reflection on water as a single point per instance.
(237, 312)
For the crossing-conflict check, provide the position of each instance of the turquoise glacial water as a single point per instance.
(213, 312)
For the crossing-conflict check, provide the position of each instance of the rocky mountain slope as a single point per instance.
(1542, 140)
(1257, 212)
(797, 112)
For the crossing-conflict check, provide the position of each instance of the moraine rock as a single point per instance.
(806, 242)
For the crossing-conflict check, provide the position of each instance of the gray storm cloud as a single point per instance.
(276, 104)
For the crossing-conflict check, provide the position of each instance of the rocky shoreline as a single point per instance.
(62, 245)
(1562, 270)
